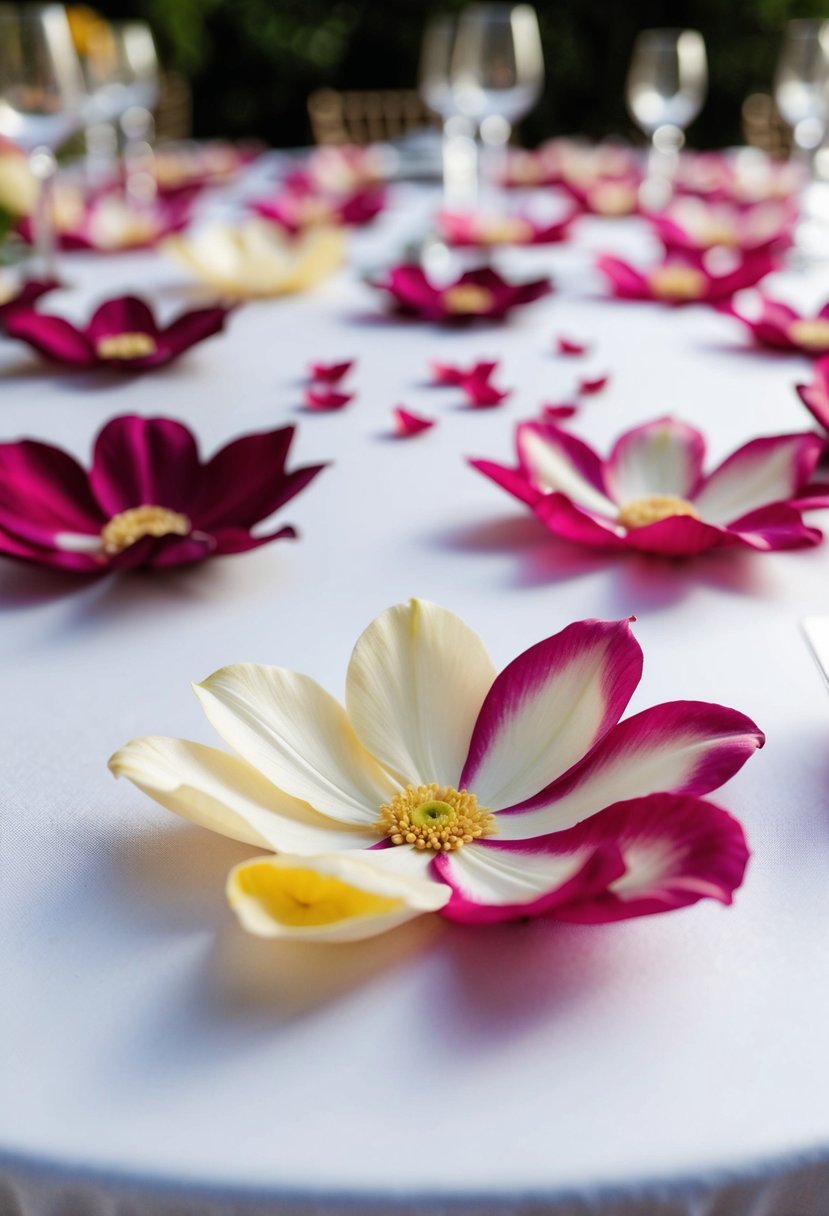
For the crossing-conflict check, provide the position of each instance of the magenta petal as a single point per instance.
(687, 747)
(482, 393)
(590, 670)
(239, 540)
(569, 522)
(625, 280)
(326, 399)
(779, 526)
(246, 481)
(407, 424)
(121, 315)
(14, 546)
(677, 850)
(145, 461)
(514, 481)
(47, 486)
(816, 399)
(330, 373)
(589, 385)
(679, 536)
(51, 336)
(569, 346)
(190, 328)
(31, 290)
(412, 288)
(599, 867)
(558, 413)
(575, 451)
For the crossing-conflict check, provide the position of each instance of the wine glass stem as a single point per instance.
(44, 168)
(460, 164)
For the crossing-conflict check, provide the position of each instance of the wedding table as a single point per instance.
(156, 1061)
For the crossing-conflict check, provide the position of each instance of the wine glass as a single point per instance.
(801, 83)
(497, 71)
(666, 85)
(139, 77)
(458, 148)
(41, 93)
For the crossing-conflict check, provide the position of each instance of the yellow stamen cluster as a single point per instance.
(134, 524)
(468, 298)
(614, 199)
(435, 817)
(641, 511)
(677, 283)
(814, 334)
(126, 346)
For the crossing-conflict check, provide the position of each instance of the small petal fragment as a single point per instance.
(326, 399)
(407, 424)
(328, 898)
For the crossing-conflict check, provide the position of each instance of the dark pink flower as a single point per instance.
(452, 374)
(109, 223)
(651, 493)
(784, 328)
(122, 333)
(743, 180)
(684, 281)
(296, 210)
(690, 226)
(408, 424)
(612, 197)
(330, 373)
(468, 229)
(815, 396)
(478, 295)
(326, 399)
(23, 297)
(148, 500)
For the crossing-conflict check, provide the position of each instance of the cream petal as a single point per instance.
(223, 793)
(492, 876)
(416, 681)
(334, 897)
(552, 468)
(299, 737)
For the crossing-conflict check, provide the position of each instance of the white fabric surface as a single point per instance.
(155, 1061)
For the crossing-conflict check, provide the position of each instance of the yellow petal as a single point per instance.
(334, 897)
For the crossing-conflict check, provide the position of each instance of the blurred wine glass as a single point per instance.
(666, 85)
(139, 77)
(497, 70)
(801, 83)
(41, 93)
(458, 149)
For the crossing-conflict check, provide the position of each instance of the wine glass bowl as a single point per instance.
(801, 83)
(666, 84)
(497, 63)
(41, 88)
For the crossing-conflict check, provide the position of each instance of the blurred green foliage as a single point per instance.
(252, 63)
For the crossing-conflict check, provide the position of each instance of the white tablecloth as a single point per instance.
(155, 1060)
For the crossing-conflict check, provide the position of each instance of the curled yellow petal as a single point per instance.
(334, 897)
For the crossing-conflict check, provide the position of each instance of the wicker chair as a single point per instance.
(366, 116)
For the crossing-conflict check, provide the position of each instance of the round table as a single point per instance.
(157, 1061)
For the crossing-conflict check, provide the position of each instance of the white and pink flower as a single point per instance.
(443, 786)
(651, 493)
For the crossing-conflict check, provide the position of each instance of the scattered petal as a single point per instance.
(407, 424)
(326, 399)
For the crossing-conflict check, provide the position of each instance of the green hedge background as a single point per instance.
(252, 63)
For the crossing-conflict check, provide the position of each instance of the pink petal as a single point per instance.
(679, 536)
(548, 708)
(51, 336)
(514, 481)
(30, 291)
(407, 424)
(815, 396)
(21, 549)
(239, 540)
(687, 747)
(481, 393)
(556, 460)
(246, 481)
(571, 523)
(557, 413)
(779, 526)
(625, 280)
(589, 385)
(660, 457)
(451, 374)
(677, 849)
(574, 876)
(569, 346)
(145, 461)
(326, 399)
(188, 329)
(330, 373)
(770, 469)
(47, 486)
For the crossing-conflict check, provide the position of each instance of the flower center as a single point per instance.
(435, 817)
(126, 346)
(468, 298)
(642, 511)
(614, 199)
(509, 230)
(814, 334)
(677, 283)
(127, 527)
